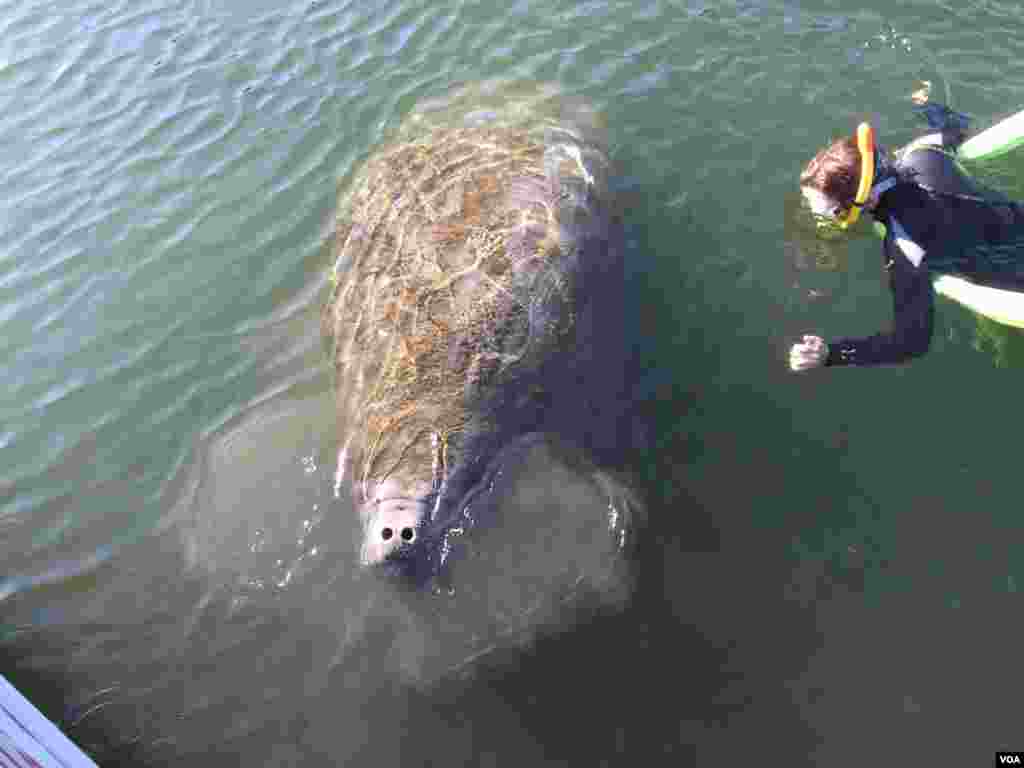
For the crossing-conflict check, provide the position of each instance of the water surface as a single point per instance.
(830, 571)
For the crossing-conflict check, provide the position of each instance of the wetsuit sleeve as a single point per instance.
(951, 125)
(913, 317)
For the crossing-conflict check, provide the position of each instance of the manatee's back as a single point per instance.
(457, 252)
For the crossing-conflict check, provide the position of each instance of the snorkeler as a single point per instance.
(936, 219)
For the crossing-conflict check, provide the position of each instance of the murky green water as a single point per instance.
(829, 575)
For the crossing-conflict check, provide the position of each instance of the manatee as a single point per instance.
(467, 339)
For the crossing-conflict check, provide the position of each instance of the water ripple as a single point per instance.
(142, 122)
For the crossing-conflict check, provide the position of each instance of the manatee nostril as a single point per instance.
(386, 534)
(408, 534)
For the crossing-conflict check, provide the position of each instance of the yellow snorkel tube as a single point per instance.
(866, 145)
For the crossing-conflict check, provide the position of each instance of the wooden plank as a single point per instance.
(29, 740)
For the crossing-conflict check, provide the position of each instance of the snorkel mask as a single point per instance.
(866, 145)
(829, 224)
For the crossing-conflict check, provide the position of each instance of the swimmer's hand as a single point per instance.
(811, 352)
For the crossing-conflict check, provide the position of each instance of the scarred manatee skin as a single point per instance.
(459, 249)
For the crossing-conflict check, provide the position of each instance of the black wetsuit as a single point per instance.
(937, 220)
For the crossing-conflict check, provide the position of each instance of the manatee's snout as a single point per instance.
(400, 537)
(392, 527)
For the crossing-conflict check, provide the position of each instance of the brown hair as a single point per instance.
(835, 171)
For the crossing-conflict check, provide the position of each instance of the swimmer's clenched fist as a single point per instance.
(811, 352)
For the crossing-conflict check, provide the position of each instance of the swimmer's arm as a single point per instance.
(951, 125)
(913, 316)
